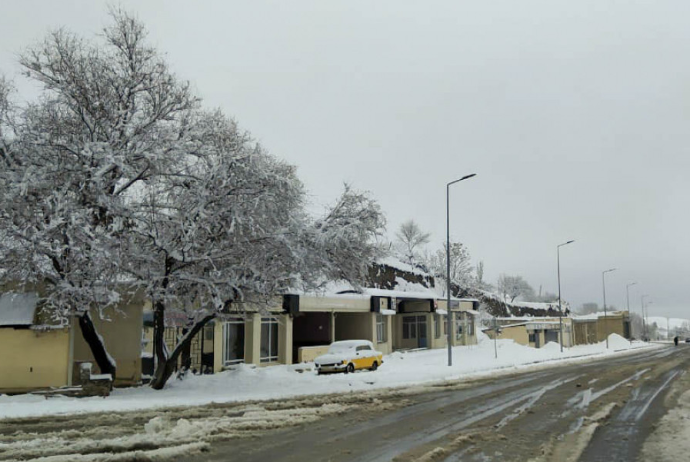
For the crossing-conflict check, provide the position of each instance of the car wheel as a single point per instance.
(374, 366)
(350, 368)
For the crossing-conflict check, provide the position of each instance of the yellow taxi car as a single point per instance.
(349, 356)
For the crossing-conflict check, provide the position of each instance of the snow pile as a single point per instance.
(552, 346)
(617, 342)
(262, 383)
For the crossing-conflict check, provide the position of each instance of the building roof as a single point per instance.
(17, 309)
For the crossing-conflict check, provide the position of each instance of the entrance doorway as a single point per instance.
(414, 332)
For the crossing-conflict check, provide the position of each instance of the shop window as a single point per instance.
(381, 328)
(532, 338)
(233, 342)
(437, 325)
(269, 340)
(470, 324)
(409, 327)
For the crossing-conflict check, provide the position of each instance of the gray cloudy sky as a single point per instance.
(574, 115)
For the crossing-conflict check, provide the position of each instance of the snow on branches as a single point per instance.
(119, 181)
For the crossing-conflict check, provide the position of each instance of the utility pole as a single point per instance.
(606, 321)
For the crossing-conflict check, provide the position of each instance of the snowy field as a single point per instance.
(252, 383)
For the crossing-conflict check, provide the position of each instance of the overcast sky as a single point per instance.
(573, 115)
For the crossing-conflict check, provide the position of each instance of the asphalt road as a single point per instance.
(584, 411)
(593, 411)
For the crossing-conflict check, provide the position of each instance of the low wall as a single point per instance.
(308, 354)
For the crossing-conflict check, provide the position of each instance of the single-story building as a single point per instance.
(534, 332)
(37, 352)
(595, 327)
(307, 324)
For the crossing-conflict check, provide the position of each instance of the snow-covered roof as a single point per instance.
(595, 316)
(422, 295)
(17, 309)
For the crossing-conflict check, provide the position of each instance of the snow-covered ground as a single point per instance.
(251, 383)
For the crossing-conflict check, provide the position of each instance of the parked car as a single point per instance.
(687, 340)
(349, 356)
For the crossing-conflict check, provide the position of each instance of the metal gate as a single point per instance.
(201, 349)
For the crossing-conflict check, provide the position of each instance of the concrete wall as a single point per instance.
(122, 332)
(32, 359)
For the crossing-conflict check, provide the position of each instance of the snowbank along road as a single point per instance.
(632, 407)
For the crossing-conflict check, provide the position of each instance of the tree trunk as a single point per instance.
(186, 354)
(105, 362)
(166, 365)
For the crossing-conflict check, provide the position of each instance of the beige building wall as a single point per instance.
(122, 332)
(387, 346)
(438, 338)
(355, 326)
(285, 339)
(218, 346)
(252, 339)
(517, 333)
(609, 325)
(31, 359)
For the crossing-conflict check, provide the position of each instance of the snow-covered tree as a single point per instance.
(228, 228)
(410, 239)
(117, 181)
(111, 115)
(512, 287)
(479, 278)
(461, 271)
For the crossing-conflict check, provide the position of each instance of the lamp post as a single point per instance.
(644, 324)
(646, 316)
(560, 310)
(449, 313)
(627, 298)
(606, 325)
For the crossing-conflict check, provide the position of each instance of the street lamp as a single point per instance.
(644, 324)
(646, 316)
(606, 325)
(627, 298)
(449, 313)
(560, 310)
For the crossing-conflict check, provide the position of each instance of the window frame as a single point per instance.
(381, 328)
(273, 325)
(226, 342)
